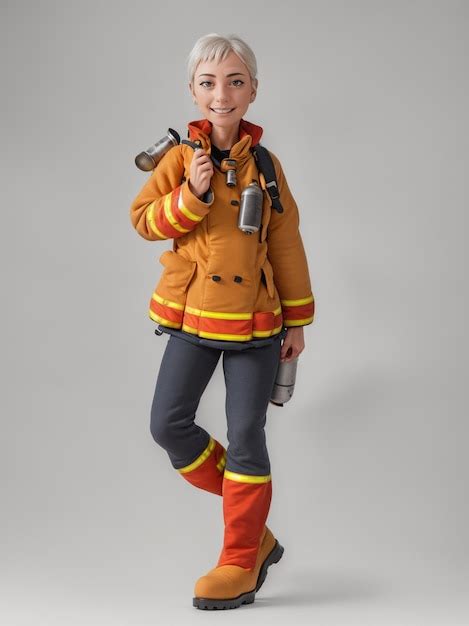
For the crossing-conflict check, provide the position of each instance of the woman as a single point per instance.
(224, 291)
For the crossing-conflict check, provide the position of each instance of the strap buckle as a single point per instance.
(273, 193)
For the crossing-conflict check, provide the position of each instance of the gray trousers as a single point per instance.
(185, 371)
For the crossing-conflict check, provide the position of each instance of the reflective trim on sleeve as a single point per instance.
(297, 302)
(192, 216)
(303, 322)
(170, 217)
(150, 216)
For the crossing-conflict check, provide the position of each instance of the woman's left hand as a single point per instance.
(293, 344)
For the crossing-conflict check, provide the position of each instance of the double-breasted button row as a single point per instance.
(237, 279)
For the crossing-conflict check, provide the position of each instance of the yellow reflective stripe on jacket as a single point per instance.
(170, 303)
(150, 215)
(170, 217)
(200, 459)
(245, 478)
(297, 302)
(266, 333)
(206, 335)
(307, 320)
(192, 216)
(189, 329)
(163, 320)
(217, 315)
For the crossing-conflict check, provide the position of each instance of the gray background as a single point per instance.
(365, 103)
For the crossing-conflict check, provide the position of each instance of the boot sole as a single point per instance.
(274, 556)
(211, 604)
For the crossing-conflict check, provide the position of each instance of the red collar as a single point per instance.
(201, 129)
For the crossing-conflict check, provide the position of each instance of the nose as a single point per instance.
(220, 95)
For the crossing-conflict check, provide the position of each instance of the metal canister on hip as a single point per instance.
(284, 382)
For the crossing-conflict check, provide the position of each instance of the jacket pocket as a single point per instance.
(177, 275)
(268, 278)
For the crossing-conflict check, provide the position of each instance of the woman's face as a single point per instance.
(224, 85)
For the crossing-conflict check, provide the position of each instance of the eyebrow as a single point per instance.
(228, 75)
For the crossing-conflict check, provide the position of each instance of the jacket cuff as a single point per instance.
(192, 203)
(298, 312)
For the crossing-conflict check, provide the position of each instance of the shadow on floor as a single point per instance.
(313, 587)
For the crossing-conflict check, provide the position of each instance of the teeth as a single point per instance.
(221, 110)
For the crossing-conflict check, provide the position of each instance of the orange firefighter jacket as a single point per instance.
(219, 282)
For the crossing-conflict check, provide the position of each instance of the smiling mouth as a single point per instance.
(222, 112)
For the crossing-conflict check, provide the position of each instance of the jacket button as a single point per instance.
(238, 279)
(216, 278)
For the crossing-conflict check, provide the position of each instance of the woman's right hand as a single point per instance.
(200, 173)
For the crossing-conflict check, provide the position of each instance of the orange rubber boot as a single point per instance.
(249, 546)
(246, 504)
(206, 472)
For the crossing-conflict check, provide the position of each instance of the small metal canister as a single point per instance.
(284, 382)
(149, 159)
(250, 210)
(230, 166)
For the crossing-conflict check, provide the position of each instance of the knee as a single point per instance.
(247, 450)
(170, 422)
(247, 436)
(160, 427)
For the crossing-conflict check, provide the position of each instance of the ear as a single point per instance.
(191, 89)
(255, 83)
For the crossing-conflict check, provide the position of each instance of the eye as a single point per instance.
(209, 82)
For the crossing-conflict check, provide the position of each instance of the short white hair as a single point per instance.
(214, 47)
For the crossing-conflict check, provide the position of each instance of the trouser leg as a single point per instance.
(184, 373)
(247, 483)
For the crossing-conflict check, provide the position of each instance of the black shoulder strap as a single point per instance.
(192, 144)
(266, 166)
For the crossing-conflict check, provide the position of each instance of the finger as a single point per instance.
(290, 357)
(201, 155)
(201, 162)
(205, 167)
(205, 176)
(292, 354)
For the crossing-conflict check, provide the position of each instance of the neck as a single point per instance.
(224, 138)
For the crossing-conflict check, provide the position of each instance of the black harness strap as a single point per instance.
(266, 166)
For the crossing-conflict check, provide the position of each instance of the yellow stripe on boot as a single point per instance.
(206, 472)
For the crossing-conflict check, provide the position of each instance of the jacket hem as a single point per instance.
(222, 344)
(259, 325)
